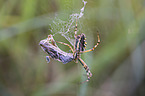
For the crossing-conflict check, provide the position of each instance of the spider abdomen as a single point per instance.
(83, 42)
(80, 45)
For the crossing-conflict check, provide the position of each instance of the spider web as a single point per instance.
(66, 28)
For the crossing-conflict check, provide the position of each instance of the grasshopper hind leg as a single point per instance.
(47, 59)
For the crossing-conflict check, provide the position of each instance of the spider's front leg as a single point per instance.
(66, 45)
(76, 29)
(75, 37)
(51, 39)
(89, 74)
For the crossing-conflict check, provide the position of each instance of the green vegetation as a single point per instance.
(117, 64)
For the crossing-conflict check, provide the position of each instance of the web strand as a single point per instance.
(66, 28)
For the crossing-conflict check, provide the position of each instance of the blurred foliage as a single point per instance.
(118, 64)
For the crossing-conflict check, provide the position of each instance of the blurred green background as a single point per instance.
(117, 64)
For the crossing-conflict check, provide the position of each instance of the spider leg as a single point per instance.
(75, 37)
(76, 29)
(89, 74)
(94, 46)
(50, 38)
(66, 45)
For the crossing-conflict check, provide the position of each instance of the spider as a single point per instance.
(50, 47)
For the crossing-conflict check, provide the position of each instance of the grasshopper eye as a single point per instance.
(47, 59)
